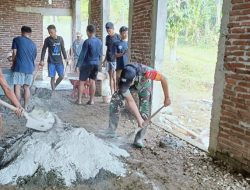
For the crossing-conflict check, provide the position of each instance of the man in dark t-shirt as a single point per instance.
(110, 58)
(55, 45)
(24, 55)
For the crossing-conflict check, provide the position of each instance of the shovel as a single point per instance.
(138, 142)
(34, 77)
(37, 119)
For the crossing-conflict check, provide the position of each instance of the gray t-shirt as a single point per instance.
(77, 47)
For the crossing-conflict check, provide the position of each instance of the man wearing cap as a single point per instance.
(77, 47)
(110, 58)
(135, 77)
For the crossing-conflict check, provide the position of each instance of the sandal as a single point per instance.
(90, 103)
(77, 102)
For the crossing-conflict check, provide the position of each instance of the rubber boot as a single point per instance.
(138, 142)
(110, 132)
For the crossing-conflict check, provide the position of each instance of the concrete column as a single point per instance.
(105, 19)
(219, 79)
(158, 36)
(76, 17)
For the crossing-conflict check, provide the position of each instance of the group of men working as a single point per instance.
(125, 77)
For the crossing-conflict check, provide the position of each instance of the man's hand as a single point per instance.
(77, 70)
(167, 102)
(40, 65)
(67, 61)
(19, 111)
(104, 63)
(141, 123)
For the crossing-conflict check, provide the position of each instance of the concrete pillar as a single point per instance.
(76, 17)
(158, 36)
(105, 19)
(219, 79)
(99, 15)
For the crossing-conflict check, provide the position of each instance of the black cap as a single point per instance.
(109, 25)
(127, 76)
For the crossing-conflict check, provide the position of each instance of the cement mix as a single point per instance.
(68, 151)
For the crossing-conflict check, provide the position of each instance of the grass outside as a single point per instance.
(194, 69)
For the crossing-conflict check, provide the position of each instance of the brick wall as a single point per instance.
(234, 131)
(141, 31)
(95, 16)
(11, 22)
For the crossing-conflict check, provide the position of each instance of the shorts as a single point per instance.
(55, 67)
(119, 66)
(22, 79)
(88, 71)
(111, 66)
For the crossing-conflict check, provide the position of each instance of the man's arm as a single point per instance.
(134, 109)
(74, 48)
(100, 51)
(82, 54)
(13, 58)
(164, 84)
(7, 91)
(14, 50)
(63, 49)
(105, 58)
(45, 45)
(155, 75)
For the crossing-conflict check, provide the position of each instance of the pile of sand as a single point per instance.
(71, 152)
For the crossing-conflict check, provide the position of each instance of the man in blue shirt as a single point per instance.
(110, 58)
(121, 51)
(24, 55)
(88, 63)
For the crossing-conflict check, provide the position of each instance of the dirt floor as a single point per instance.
(165, 163)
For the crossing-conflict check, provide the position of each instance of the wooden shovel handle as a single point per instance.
(5, 104)
(34, 77)
(156, 112)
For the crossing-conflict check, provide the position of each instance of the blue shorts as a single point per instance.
(111, 66)
(55, 67)
(22, 78)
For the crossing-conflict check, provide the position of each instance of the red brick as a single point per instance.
(230, 120)
(241, 6)
(141, 32)
(237, 1)
(12, 21)
(244, 96)
(240, 89)
(244, 115)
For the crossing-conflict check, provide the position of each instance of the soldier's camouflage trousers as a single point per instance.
(117, 102)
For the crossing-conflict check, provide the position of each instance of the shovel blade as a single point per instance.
(40, 120)
(138, 141)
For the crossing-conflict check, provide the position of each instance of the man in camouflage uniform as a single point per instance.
(135, 77)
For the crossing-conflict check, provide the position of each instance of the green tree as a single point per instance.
(177, 19)
(84, 10)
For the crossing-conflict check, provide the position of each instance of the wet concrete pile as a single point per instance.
(70, 154)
